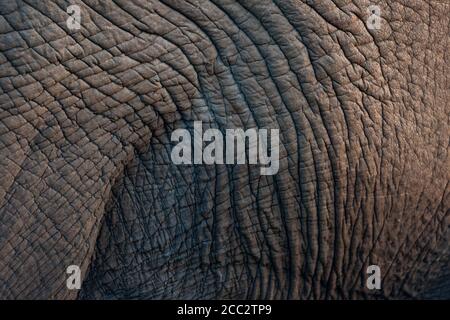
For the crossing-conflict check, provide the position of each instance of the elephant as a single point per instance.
(357, 92)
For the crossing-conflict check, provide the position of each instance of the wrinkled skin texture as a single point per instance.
(86, 175)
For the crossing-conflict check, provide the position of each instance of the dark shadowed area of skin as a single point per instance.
(87, 179)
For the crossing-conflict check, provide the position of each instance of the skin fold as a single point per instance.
(86, 118)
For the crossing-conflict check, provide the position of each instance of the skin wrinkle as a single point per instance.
(86, 132)
(233, 207)
(290, 250)
(355, 186)
(30, 279)
(422, 194)
(290, 117)
(335, 170)
(317, 195)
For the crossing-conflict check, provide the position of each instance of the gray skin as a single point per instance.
(86, 176)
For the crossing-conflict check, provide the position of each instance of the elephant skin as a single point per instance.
(87, 179)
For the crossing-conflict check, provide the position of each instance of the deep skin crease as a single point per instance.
(86, 177)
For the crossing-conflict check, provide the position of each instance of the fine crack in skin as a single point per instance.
(87, 179)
